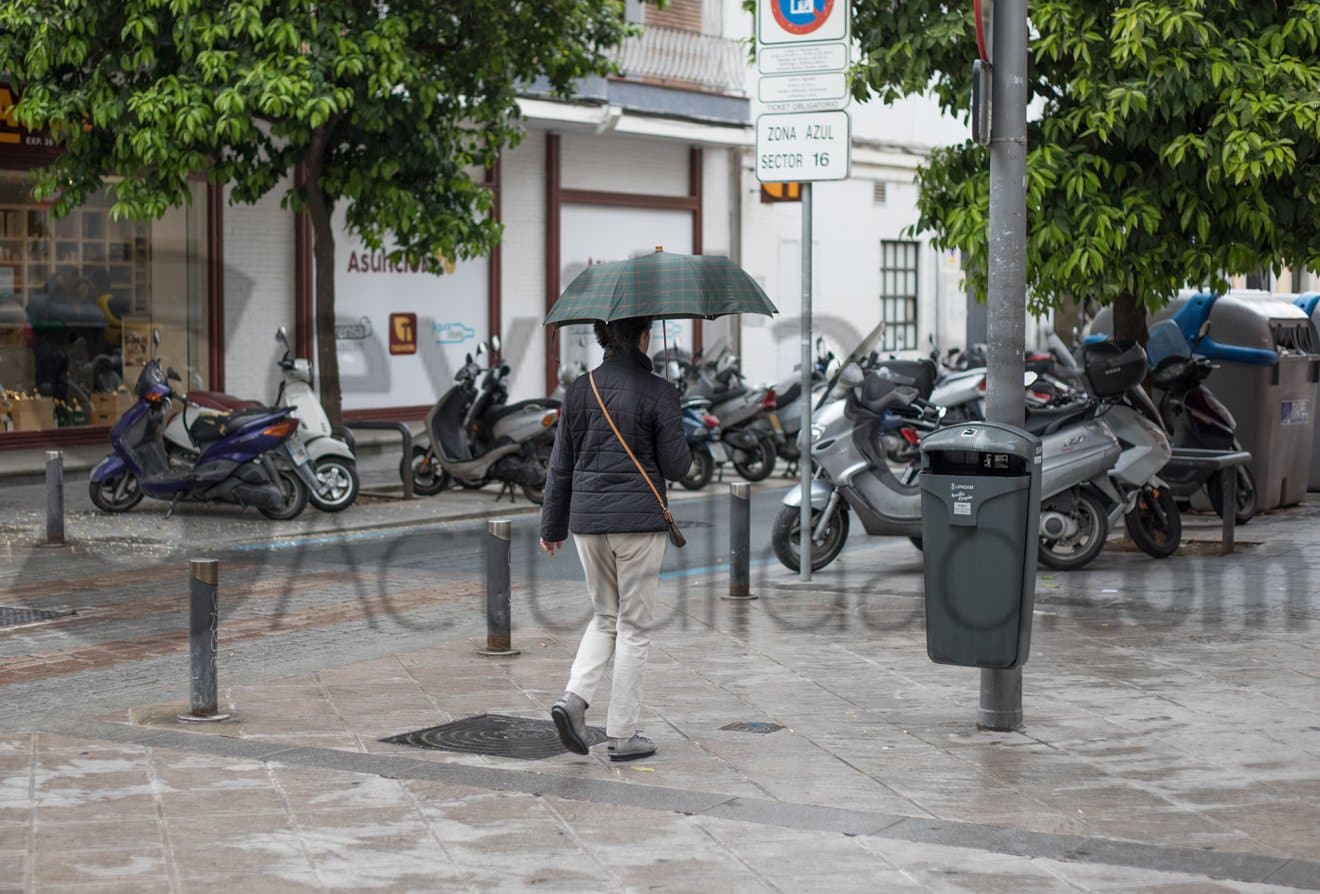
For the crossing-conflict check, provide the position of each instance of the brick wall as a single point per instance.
(683, 15)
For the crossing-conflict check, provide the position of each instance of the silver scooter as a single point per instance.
(476, 437)
(1101, 459)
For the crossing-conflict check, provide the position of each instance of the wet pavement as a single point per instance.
(1172, 737)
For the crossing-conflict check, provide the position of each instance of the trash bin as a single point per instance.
(1310, 305)
(980, 515)
(1266, 351)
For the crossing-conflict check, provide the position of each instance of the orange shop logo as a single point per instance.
(403, 333)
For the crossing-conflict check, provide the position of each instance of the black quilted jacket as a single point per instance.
(592, 486)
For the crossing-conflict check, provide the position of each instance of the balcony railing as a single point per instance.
(685, 59)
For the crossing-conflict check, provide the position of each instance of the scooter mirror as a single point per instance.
(282, 336)
(495, 342)
(469, 357)
(155, 338)
(481, 349)
(172, 374)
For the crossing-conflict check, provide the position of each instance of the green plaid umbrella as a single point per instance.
(660, 285)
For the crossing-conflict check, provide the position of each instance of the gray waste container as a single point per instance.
(1310, 305)
(1267, 376)
(980, 517)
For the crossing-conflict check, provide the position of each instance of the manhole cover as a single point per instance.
(495, 734)
(751, 726)
(14, 616)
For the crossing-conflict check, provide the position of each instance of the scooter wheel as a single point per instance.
(1078, 551)
(295, 497)
(786, 538)
(1155, 524)
(118, 494)
(703, 467)
(758, 462)
(427, 477)
(1246, 495)
(339, 484)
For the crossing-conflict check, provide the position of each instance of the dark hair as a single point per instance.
(621, 334)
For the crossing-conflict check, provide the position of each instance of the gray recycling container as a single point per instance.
(980, 517)
(1267, 376)
(1310, 305)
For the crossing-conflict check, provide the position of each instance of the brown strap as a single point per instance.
(614, 428)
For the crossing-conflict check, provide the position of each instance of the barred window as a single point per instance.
(898, 294)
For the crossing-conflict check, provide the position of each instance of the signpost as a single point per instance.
(803, 136)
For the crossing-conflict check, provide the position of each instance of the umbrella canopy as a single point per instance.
(660, 285)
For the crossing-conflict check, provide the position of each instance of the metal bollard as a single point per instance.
(203, 632)
(54, 498)
(740, 541)
(499, 549)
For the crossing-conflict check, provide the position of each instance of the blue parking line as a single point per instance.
(710, 569)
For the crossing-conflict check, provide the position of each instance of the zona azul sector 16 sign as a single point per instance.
(794, 21)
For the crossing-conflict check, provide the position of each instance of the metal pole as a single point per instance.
(1228, 485)
(54, 498)
(499, 549)
(1001, 690)
(740, 541)
(804, 436)
(203, 633)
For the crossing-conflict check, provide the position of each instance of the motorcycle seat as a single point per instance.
(1048, 421)
(211, 427)
(879, 394)
(219, 401)
(790, 394)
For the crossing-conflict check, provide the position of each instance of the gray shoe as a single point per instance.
(570, 717)
(631, 749)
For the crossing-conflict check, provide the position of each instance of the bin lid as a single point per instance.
(1309, 302)
(983, 437)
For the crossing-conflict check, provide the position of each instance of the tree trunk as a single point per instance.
(323, 262)
(1130, 320)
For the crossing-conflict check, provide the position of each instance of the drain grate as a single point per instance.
(751, 726)
(498, 735)
(14, 616)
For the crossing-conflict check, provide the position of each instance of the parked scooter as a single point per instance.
(1195, 418)
(333, 459)
(702, 431)
(1089, 479)
(740, 408)
(476, 437)
(249, 458)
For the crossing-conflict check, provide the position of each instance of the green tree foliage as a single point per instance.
(1171, 141)
(394, 108)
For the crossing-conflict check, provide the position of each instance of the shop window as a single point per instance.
(898, 295)
(79, 296)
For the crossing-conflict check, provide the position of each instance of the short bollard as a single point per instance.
(203, 633)
(499, 548)
(54, 498)
(740, 541)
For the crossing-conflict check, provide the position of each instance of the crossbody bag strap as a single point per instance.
(614, 428)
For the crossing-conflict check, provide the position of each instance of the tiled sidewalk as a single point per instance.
(1171, 744)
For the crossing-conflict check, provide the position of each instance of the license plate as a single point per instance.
(717, 452)
(298, 452)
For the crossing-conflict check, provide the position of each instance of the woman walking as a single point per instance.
(620, 439)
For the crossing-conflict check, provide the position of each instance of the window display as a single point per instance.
(77, 295)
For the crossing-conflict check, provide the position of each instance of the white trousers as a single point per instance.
(623, 571)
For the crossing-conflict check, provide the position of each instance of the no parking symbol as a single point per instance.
(801, 21)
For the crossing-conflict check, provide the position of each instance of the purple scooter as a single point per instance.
(248, 458)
